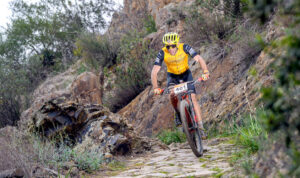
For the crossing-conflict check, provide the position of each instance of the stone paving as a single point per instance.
(179, 161)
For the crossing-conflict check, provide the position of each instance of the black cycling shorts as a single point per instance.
(173, 79)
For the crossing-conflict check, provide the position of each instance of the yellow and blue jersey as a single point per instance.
(178, 63)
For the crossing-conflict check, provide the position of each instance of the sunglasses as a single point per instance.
(173, 46)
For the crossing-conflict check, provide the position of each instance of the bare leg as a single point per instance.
(198, 115)
(197, 110)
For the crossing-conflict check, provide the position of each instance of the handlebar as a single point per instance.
(189, 82)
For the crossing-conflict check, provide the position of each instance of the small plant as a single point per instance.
(169, 136)
(97, 50)
(248, 135)
(88, 161)
(116, 165)
(81, 69)
(149, 24)
(245, 132)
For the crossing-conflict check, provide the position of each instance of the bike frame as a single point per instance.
(187, 96)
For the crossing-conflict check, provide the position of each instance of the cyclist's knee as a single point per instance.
(172, 96)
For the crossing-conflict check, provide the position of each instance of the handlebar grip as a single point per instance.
(200, 79)
(162, 91)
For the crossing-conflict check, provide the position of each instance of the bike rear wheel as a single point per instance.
(192, 134)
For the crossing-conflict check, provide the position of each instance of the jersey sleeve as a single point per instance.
(159, 58)
(189, 50)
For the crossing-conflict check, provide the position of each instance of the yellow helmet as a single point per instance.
(171, 38)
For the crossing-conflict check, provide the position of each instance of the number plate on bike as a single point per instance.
(180, 88)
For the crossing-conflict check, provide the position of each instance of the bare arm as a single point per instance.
(199, 59)
(154, 72)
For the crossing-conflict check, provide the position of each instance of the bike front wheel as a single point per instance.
(192, 133)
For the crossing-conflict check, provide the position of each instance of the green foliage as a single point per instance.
(39, 42)
(149, 24)
(171, 136)
(49, 154)
(96, 49)
(261, 9)
(246, 132)
(81, 69)
(208, 4)
(116, 165)
(133, 69)
(253, 71)
(225, 28)
(207, 28)
(88, 161)
(281, 100)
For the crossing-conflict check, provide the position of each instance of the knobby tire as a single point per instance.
(194, 139)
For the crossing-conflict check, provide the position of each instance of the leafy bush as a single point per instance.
(247, 132)
(222, 26)
(207, 28)
(281, 100)
(97, 50)
(132, 71)
(48, 154)
(169, 136)
(88, 161)
(39, 42)
(149, 24)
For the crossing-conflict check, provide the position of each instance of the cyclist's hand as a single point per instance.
(157, 91)
(205, 75)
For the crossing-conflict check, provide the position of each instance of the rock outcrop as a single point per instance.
(134, 13)
(86, 89)
(83, 88)
(88, 127)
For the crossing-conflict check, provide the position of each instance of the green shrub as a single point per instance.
(207, 28)
(97, 50)
(209, 25)
(281, 99)
(48, 153)
(88, 161)
(171, 136)
(81, 69)
(149, 24)
(247, 133)
(132, 71)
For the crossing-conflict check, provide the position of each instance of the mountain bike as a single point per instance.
(188, 117)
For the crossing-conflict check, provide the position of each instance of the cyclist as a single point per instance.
(175, 56)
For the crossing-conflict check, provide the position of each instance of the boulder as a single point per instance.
(83, 88)
(86, 89)
(88, 127)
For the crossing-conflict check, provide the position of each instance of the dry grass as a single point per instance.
(12, 151)
(39, 158)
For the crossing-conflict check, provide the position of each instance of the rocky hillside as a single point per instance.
(70, 108)
(231, 90)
